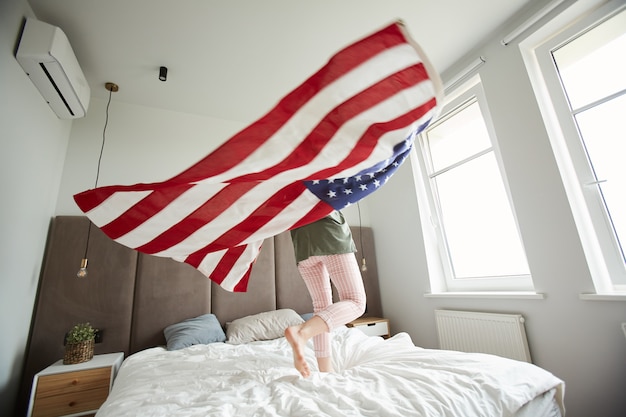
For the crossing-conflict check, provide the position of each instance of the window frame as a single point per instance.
(596, 234)
(441, 269)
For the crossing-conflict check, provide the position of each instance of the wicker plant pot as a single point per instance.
(78, 352)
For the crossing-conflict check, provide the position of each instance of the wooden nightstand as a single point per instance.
(78, 389)
(372, 326)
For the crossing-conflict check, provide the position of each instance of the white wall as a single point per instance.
(141, 145)
(32, 151)
(579, 341)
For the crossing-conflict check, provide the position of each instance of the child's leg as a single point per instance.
(297, 336)
(317, 281)
(345, 274)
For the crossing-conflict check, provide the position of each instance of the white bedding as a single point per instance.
(374, 377)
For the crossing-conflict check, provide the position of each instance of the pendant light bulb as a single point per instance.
(82, 272)
(363, 265)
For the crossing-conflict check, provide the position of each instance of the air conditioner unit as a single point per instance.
(44, 52)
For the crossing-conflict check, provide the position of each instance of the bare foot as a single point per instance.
(298, 342)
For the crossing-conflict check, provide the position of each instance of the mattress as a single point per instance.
(374, 377)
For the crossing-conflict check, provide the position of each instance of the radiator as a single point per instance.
(497, 334)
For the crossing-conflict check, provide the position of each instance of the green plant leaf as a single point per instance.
(81, 332)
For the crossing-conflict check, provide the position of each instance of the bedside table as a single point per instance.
(372, 326)
(77, 389)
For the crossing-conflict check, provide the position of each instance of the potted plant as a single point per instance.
(79, 344)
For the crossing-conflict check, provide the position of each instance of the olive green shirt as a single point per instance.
(328, 236)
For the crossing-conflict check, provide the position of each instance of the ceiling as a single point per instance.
(234, 59)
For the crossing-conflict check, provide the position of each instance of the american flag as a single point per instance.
(331, 141)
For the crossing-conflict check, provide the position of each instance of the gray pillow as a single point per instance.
(263, 326)
(199, 330)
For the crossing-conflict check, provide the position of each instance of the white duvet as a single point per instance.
(374, 377)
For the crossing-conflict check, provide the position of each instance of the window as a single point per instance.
(584, 109)
(473, 224)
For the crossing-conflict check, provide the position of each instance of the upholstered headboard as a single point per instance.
(132, 297)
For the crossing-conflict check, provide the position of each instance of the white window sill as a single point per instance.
(529, 295)
(603, 297)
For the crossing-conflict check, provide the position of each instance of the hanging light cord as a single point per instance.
(363, 263)
(106, 122)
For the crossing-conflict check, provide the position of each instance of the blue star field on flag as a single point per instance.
(342, 192)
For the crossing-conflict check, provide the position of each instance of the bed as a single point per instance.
(374, 377)
(222, 370)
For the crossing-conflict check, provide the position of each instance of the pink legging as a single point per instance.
(343, 270)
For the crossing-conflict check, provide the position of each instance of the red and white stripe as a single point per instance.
(346, 118)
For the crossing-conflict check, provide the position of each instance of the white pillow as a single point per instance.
(263, 326)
